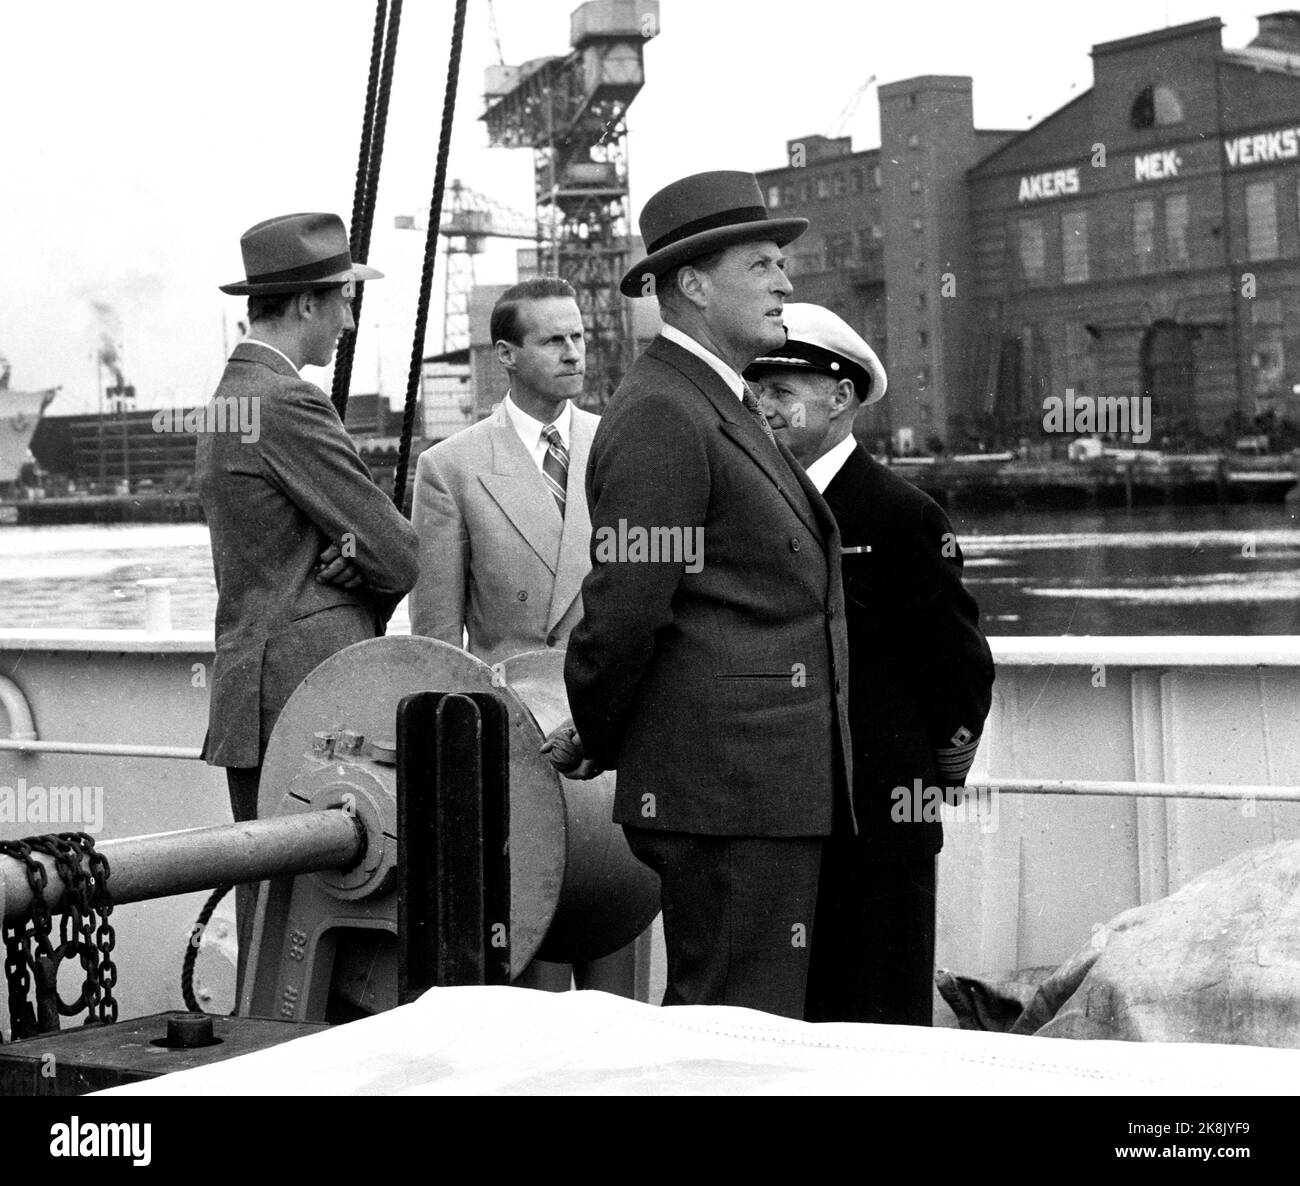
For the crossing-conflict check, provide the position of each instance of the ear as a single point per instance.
(844, 400)
(304, 304)
(692, 283)
(505, 352)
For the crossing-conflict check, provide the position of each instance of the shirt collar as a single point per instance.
(530, 428)
(724, 372)
(822, 471)
(273, 350)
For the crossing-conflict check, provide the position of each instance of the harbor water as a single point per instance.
(1166, 570)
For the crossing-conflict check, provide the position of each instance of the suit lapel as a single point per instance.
(518, 488)
(741, 427)
(575, 540)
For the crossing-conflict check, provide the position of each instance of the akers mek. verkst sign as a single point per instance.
(1259, 148)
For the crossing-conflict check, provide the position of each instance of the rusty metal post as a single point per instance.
(453, 898)
(145, 867)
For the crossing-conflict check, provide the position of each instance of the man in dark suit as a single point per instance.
(710, 665)
(309, 554)
(920, 679)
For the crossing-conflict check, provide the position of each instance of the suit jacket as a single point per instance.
(720, 695)
(273, 504)
(495, 556)
(920, 668)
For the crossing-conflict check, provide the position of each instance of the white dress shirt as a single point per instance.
(823, 470)
(529, 430)
(686, 342)
(268, 346)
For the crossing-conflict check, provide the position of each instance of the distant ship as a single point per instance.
(20, 413)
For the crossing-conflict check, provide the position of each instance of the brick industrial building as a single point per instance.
(1144, 240)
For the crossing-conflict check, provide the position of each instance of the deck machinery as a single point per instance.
(410, 835)
(570, 110)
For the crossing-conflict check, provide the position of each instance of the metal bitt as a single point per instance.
(453, 813)
(145, 867)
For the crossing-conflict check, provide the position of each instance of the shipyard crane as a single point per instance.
(471, 219)
(846, 114)
(571, 111)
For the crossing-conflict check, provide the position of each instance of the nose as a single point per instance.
(782, 284)
(767, 404)
(348, 323)
(574, 348)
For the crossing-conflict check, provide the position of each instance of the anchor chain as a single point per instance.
(32, 960)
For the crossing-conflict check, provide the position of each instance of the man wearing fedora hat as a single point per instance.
(716, 688)
(919, 679)
(309, 554)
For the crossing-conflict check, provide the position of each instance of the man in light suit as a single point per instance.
(714, 682)
(499, 507)
(309, 554)
(501, 515)
(920, 679)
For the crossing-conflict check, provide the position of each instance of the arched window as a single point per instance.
(1155, 106)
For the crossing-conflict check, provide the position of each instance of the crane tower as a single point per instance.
(570, 111)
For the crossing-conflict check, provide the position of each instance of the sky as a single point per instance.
(142, 137)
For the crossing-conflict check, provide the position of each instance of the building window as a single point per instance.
(1074, 246)
(911, 99)
(1261, 220)
(839, 251)
(787, 194)
(855, 180)
(922, 338)
(1033, 249)
(773, 196)
(916, 185)
(823, 186)
(803, 193)
(841, 184)
(923, 412)
(1176, 217)
(914, 141)
(920, 300)
(918, 225)
(877, 231)
(1144, 236)
(875, 177)
(1267, 357)
(864, 244)
(1155, 106)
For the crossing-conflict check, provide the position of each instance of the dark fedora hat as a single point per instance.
(702, 213)
(297, 252)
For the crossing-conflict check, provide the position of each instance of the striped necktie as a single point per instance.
(555, 465)
(751, 406)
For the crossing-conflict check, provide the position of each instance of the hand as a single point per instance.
(564, 748)
(336, 569)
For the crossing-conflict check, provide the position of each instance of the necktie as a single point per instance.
(555, 465)
(751, 406)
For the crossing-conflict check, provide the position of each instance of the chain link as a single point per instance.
(28, 949)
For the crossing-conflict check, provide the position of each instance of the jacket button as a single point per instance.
(550, 640)
(830, 612)
(794, 545)
(522, 594)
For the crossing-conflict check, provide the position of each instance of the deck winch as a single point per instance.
(505, 858)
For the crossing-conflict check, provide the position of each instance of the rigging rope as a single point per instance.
(383, 53)
(430, 251)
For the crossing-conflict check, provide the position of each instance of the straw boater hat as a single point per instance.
(818, 340)
(297, 252)
(702, 213)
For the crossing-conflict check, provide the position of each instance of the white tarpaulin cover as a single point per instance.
(515, 1041)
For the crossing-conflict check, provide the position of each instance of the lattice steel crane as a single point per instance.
(570, 111)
